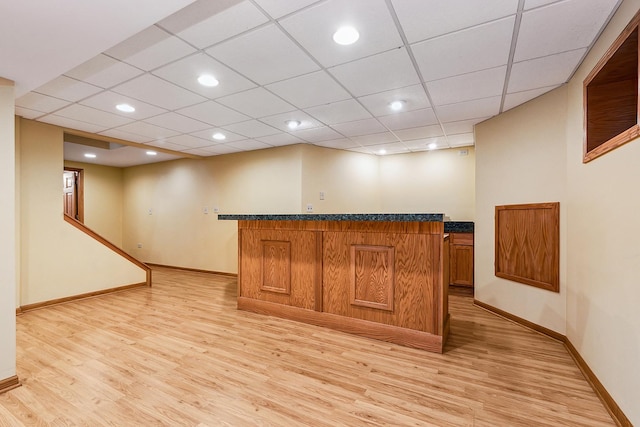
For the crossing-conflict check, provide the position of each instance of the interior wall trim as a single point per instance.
(196, 270)
(56, 301)
(607, 400)
(9, 384)
(18, 311)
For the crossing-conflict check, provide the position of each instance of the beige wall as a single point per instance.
(57, 260)
(8, 234)
(279, 180)
(521, 158)
(534, 153)
(103, 199)
(440, 181)
(603, 254)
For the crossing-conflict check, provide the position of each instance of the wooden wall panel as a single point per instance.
(264, 264)
(416, 268)
(372, 276)
(527, 245)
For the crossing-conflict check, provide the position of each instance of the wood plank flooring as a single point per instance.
(180, 354)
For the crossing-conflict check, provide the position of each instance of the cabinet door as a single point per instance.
(461, 265)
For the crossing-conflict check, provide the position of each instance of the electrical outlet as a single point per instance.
(139, 245)
(150, 211)
(216, 209)
(309, 207)
(322, 195)
(205, 210)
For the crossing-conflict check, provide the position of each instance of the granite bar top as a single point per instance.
(417, 217)
(458, 226)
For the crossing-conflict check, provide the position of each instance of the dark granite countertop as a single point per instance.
(419, 217)
(458, 226)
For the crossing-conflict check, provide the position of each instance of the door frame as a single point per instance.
(79, 191)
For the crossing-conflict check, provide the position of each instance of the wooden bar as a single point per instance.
(383, 279)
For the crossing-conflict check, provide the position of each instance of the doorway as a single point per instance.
(73, 193)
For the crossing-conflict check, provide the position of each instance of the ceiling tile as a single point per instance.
(252, 129)
(68, 89)
(71, 123)
(339, 112)
(376, 138)
(279, 121)
(389, 148)
(218, 149)
(377, 73)
(178, 122)
(474, 49)
(278, 8)
(314, 28)
(531, 4)
(249, 144)
(148, 130)
(150, 49)
(558, 68)
(419, 132)
(422, 19)
(319, 134)
(256, 103)
(185, 73)
(127, 136)
(107, 101)
(104, 71)
(41, 103)
(280, 139)
(485, 107)
(204, 23)
(517, 98)
(423, 144)
(27, 113)
(208, 135)
(309, 90)
(213, 113)
(561, 27)
(264, 55)
(414, 98)
(158, 92)
(190, 141)
(167, 145)
(461, 140)
(463, 126)
(466, 87)
(91, 115)
(342, 144)
(360, 127)
(409, 119)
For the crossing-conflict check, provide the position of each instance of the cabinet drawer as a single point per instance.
(461, 239)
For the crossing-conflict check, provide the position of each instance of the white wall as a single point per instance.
(8, 232)
(603, 254)
(58, 260)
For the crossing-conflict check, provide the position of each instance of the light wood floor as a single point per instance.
(180, 354)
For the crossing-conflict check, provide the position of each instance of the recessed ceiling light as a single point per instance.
(397, 105)
(292, 124)
(151, 153)
(432, 146)
(90, 156)
(346, 36)
(208, 80)
(125, 108)
(383, 151)
(219, 136)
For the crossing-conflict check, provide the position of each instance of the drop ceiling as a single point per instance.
(452, 64)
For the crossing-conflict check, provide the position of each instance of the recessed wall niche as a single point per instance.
(611, 96)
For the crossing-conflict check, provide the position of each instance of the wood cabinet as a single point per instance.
(461, 259)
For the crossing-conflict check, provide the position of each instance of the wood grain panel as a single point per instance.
(527, 244)
(417, 268)
(9, 384)
(276, 267)
(462, 265)
(411, 227)
(372, 276)
(302, 266)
